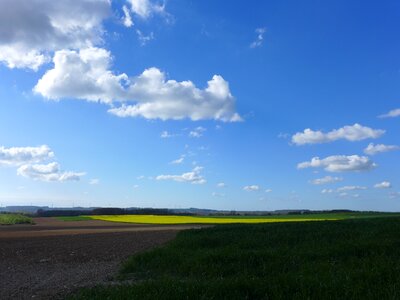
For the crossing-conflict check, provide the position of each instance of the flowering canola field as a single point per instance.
(153, 219)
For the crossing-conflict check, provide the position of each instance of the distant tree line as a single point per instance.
(109, 211)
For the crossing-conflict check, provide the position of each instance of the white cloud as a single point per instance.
(352, 133)
(16, 156)
(28, 159)
(146, 8)
(251, 188)
(193, 177)
(260, 38)
(165, 135)
(383, 185)
(152, 95)
(351, 188)
(221, 185)
(94, 83)
(48, 172)
(373, 149)
(136, 186)
(327, 191)
(391, 114)
(158, 98)
(340, 163)
(268, 190)
(197, 132)
(144, 39)
(31, 30)
(326, 180)
(94, 181)
(394, 195)
(219, 195)
(127, 19)
(178, 161)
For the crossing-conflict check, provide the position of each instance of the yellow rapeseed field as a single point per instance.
(152, 219)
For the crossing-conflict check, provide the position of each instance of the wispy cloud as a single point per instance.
(391, 114)
(326, 180)
(144, 39)
(260, 37)
(197, 132)
(178, 161)
(94, 181)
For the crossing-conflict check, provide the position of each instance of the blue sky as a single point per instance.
(256, 105)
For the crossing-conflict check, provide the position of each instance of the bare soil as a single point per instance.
(53, 258)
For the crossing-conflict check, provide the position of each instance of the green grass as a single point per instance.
(11, 219)
(75, 218)
(350, 259)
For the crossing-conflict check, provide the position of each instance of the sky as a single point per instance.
(255, 105)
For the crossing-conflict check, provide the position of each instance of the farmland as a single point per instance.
(350, 259)
(12, 219)
(53, 258)
(156, 219)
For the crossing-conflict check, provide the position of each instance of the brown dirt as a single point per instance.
(53, 258)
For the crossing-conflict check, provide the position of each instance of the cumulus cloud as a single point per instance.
(28, 159)
(82, 74)
(340, 163)
(373, 149)
(251, 188)
(149, 95)
(383, 185)
(30, 30)
(16, 156)
(391, 114)
(352, 133)
(326, 180)
(158, 98)
(260, 38)
(48, 172)
(268, 190)
(193, 177)
(221, 185)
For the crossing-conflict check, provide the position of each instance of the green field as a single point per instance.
(156, 219)
(350, 259)
(11, 219)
